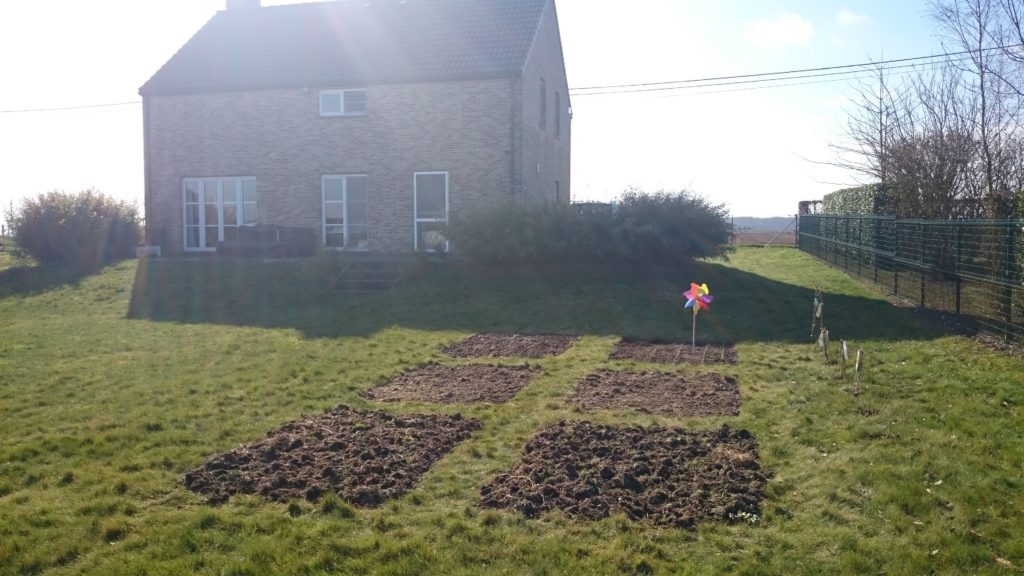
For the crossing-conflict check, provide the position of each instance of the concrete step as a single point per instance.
(346, 285)
(382, 264)
(370, 274)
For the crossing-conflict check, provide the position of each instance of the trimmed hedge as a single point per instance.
(83, 231)
(867, 200)
(660, 227)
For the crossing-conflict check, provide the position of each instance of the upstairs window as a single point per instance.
(343, 102)
(543, 104)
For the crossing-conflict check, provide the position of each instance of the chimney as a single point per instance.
(243, 4)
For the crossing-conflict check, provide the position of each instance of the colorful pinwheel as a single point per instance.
(698, 298)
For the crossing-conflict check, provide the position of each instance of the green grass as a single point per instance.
(113, 384)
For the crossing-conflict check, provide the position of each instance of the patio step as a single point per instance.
(369, 273)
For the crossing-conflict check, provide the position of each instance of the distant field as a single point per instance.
(762, 237)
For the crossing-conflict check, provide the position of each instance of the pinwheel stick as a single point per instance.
(693, 334)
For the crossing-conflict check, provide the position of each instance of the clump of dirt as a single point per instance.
(659, 393)
(454, 384)
(510, 345)
(682, 353)
(366, 457)
(666, 476)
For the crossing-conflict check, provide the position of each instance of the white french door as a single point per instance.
(430, 202)
(215, 208)
(345, 221)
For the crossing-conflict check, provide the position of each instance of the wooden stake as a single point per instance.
(858, 367)
(844, 356)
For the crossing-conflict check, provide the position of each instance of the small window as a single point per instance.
(342, 102)
(558, 115)
(543, 104)
(558, 191)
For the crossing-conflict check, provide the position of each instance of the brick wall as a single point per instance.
(278, 136)
(545, 157)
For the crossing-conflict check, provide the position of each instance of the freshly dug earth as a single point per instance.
(659, 393)
(511, 345)
(674, 353)
(452, 384)
(666, 476)
(365, 457)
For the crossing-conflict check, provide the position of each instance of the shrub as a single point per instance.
(866, 200)
(668, 226)
(659, 227)
(82, 231)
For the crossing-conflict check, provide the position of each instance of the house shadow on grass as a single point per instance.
(636, 303)
(27, 280)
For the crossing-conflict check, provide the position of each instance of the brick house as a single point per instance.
(370, 121)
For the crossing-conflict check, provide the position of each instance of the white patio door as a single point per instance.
(202, 214)
(430, 200)
(345, 215)
(215, 208)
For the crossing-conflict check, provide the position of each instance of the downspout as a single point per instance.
(513, 142)
(146, 169)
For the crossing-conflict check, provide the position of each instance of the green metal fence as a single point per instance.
(970, 269)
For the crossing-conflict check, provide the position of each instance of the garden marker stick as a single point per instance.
(856, 373)
(844, 357)
(816, 310)
(698, 298)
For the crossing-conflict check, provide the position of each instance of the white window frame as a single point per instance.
(201, 192)
(416, 220)
(344, 202)
(341, 94)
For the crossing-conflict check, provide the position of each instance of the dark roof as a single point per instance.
(352, 42)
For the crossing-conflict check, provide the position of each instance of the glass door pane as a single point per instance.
(358, 230)
(249, 214)
(334, 212)
(229, 194)
(431, 208)
(430, 196)
(211, 213)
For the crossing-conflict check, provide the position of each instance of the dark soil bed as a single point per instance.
(666, 476)
(451, 384)
(659, 393)
(510, 345)
(365, 457)
(674, 353)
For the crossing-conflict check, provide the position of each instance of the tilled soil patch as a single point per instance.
(666, 476)
(659, 393)
(674, 353)
(365, 457)
(510, 345)
(452, 384)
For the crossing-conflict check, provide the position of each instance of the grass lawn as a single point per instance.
(112, 385)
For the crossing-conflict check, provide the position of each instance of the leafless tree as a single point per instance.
(945, 141)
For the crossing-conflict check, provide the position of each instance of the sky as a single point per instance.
(759, 152)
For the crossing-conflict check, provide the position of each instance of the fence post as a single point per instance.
(895, 251)
(923, 259)
(860, 244)
(846, 243)
(956, 266)
(1011, 233)
(874, 250)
